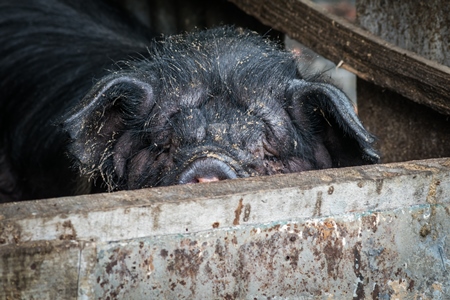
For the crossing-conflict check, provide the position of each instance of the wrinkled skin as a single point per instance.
(135, 112)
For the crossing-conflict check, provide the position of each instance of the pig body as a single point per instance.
(91, 102)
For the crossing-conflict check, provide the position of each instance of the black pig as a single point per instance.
(91, 102)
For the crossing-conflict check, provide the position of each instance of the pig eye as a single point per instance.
(269, 150)
(267, 153)
(271, 155)
(273, 158)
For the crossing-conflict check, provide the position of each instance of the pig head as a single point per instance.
(208, 106)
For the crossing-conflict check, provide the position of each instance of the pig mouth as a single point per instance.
(210, 168)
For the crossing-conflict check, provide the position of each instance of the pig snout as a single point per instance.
(206, 170)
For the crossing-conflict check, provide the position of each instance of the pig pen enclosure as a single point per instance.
(370, 232)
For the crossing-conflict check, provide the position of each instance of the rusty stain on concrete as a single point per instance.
(156, 214)
(318, 205)
(69, 232)
(379, 185)
(351, 256)
(237, 212)
(215, 225)
(23, 268)
(10, 232)
(331, 190)
(431, 198)
(247, 210)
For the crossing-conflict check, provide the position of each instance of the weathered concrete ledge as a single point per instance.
(373, 231)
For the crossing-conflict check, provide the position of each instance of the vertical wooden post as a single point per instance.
(406, 130)
(419, 26)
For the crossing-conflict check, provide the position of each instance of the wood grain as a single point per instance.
(369, 57)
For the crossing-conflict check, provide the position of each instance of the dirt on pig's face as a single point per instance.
(209, 106)
(217, 139)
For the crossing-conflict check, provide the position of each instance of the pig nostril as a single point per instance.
(199, 179)
(206, 170)
(207, 179)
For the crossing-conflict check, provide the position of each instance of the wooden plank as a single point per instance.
(404, 129)
(419, 26)
(369, 57)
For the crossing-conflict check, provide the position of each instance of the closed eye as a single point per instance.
(269, 150)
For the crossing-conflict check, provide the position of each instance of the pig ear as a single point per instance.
(98, 126)
(326, 111)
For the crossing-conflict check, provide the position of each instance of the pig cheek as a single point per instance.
(147, 168)
(297, 164)
(322, 156)
(291, 165)
(200, 134)
(161, 136)
(164, 162)
(122, 150)
(259, 169)
(275, 167)
(194, 135)
(259, 165)
(139, 165)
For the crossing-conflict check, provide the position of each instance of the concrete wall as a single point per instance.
(366, 232)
